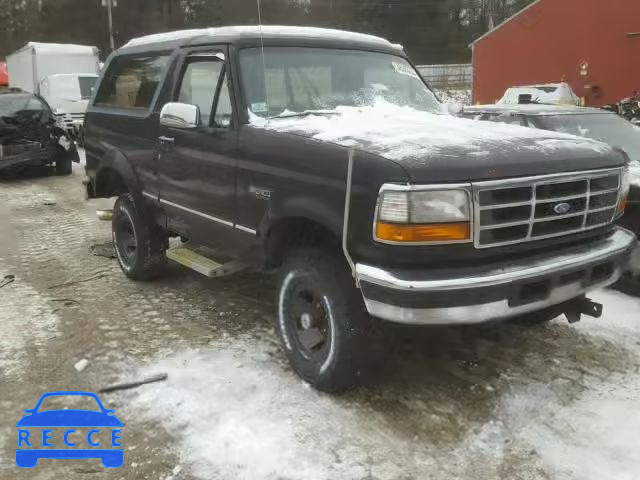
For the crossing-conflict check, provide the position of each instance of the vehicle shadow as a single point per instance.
(27, 172)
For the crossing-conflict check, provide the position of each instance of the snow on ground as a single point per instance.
(589, 438)
(595, 435)
(239, 415)
(26, 318)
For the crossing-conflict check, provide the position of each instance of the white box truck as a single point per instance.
(64, 75)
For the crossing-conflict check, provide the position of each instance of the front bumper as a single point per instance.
(27, 154)
(495, 291)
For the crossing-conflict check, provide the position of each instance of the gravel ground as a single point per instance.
(501, 401)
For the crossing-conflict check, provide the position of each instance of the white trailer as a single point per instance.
(59, 73)
(35, 62)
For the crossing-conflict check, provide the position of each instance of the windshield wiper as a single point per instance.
(306, 113)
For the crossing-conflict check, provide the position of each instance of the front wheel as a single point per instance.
(140, 245)
(322, 320)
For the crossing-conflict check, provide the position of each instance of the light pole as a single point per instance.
(110, 4)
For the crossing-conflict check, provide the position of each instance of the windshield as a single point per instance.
(608, 128)
(19, 105)
(298, 80)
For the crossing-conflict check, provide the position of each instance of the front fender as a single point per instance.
(304, 207)
(115, 161)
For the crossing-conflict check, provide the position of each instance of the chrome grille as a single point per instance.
(527, 209)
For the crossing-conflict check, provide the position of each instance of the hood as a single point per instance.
(442, 148)
(14, 130)
(72, 107)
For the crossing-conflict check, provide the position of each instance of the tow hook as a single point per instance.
(582, 306)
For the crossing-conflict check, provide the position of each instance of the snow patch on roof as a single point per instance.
(284, 31)
(402, 132)
(550, 93)
(62, 48)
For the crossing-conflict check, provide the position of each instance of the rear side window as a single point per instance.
(132, 81)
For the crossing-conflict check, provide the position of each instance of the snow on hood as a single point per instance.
(399, 133)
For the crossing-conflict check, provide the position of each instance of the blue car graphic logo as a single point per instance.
(105, 429)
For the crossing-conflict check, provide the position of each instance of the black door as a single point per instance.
(197, 175)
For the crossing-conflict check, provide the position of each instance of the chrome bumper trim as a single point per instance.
(474, 314)
(620, 243)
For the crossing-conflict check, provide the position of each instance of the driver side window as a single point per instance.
(202, 80)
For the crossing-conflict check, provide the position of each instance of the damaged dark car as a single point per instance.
(29, 135)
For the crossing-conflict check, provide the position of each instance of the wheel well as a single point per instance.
(293, 232)
(110, 184)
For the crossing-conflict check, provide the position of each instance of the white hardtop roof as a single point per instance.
(62, 48)
(280, 30)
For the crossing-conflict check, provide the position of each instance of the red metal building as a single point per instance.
(594, 45)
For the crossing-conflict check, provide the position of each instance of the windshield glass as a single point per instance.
(14, 105)
(86, 86)
(608, 128)
(297, 80)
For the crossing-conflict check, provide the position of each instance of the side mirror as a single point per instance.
(180, 115)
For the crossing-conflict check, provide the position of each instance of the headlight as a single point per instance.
(423, 215)
(625, 186)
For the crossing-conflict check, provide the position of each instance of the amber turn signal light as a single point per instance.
(622, 205)
(433, 232)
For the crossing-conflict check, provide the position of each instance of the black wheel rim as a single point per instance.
(126, 241)
(310, 320)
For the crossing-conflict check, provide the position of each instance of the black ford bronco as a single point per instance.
(323, 155)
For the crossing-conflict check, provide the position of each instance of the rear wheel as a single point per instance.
(140, 245)
(322, 320)
(63, 165)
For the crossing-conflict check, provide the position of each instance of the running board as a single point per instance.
(104, 215)
(201, 264)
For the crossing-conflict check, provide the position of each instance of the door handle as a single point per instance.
(166, 140)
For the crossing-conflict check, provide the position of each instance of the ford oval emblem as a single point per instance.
(562, 208)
